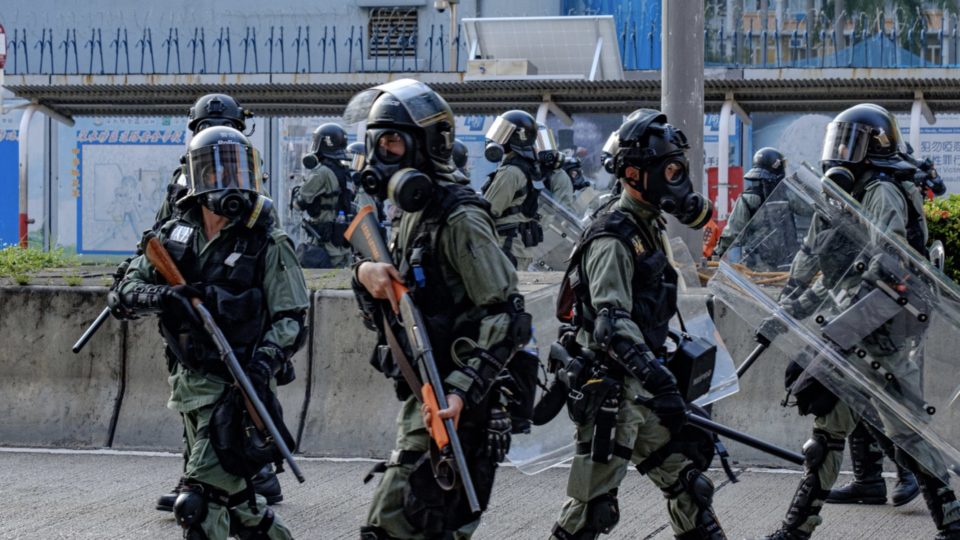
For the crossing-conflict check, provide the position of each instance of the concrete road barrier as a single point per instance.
(352, 407)
(115, 392)
(50, 396)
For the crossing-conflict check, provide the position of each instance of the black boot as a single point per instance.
(906, 489)
(943, 506)
(868, 486)
(805, 507)
(267, 484)
(165, 502)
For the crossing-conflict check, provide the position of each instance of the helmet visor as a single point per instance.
(423, 105)
(846, 142)
(545, 141)
(223, 166)
(391, 146)
(612, 144)
(500, 131)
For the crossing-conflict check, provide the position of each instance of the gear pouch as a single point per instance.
(584, 405)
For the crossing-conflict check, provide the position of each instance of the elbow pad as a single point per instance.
(640, 362)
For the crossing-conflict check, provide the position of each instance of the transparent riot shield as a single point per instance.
(859, 310)
(553, 443)
(561, 229)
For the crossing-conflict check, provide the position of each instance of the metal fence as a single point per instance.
(861, 41)
(250, 49)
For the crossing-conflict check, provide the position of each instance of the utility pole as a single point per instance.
(681, 97)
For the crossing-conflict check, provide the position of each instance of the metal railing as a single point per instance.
(876, 41)
(200, 50)
(850, 41)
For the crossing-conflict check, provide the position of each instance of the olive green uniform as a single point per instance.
(561, 187)
(502, 194)
(743, 211)
(322, 182)
(609, 269)
(473, 267)
(194, 395)
(887, 208)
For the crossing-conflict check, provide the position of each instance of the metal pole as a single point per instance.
(681, 74)
(454, 35)
(24, 165)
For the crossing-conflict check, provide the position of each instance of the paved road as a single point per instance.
(108, 495)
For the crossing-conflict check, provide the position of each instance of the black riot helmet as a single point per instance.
(860, 134)
(217, 110)
(655, 151)
(223, 173)
(769, 168)
(409, 138)
(459, 154)
(512, 131)
(329, 141)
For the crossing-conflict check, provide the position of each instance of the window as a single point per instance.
(392, 32)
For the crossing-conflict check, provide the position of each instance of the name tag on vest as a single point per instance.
(181, 234)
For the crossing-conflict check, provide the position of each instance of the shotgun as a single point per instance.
(364, 235)
(161, 260)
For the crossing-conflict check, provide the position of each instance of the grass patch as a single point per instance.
(19, 263)
(73, 280)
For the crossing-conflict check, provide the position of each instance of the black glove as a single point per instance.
(498, 434)
(671, 409)
(176, 300)
(294, 194)
(769, 329)
(260, 370)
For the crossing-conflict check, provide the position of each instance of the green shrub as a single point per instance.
(18, 263)
(943, 220)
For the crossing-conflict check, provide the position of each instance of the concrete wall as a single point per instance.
(114, 394)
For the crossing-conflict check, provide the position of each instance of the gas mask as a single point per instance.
(842, 177)
(389, 172)
(230, 203)
(310, 161)
(493, 151)
(668, 186)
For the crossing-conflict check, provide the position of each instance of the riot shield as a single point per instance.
(856, 312)
(553, 443)
(561, 229)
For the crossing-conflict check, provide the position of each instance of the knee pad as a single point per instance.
(815, 450)
(603, 512)
(699, 486)
(258, 531)
(190, 508)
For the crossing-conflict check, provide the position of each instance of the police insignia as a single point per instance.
(638, 246)
(181, 234)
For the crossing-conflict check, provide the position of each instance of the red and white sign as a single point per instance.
(3, 46)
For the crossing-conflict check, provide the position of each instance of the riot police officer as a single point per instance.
(514, 188)
(447, 253)
(208, 111)
(862, 145)
(326, 198)
(625, 295)
(769, 168)
(555, 177)
(225, 244)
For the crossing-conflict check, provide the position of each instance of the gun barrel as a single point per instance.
(743, 438)
(91, 330)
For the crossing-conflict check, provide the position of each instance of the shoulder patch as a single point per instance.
(181, 234)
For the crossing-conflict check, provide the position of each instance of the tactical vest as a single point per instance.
(232, 283)
(530, 194)
(654, 280)
(915, 229)
(344, 199)
(421, 267)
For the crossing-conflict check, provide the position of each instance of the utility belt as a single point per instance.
(530, 233)
(328, 232)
